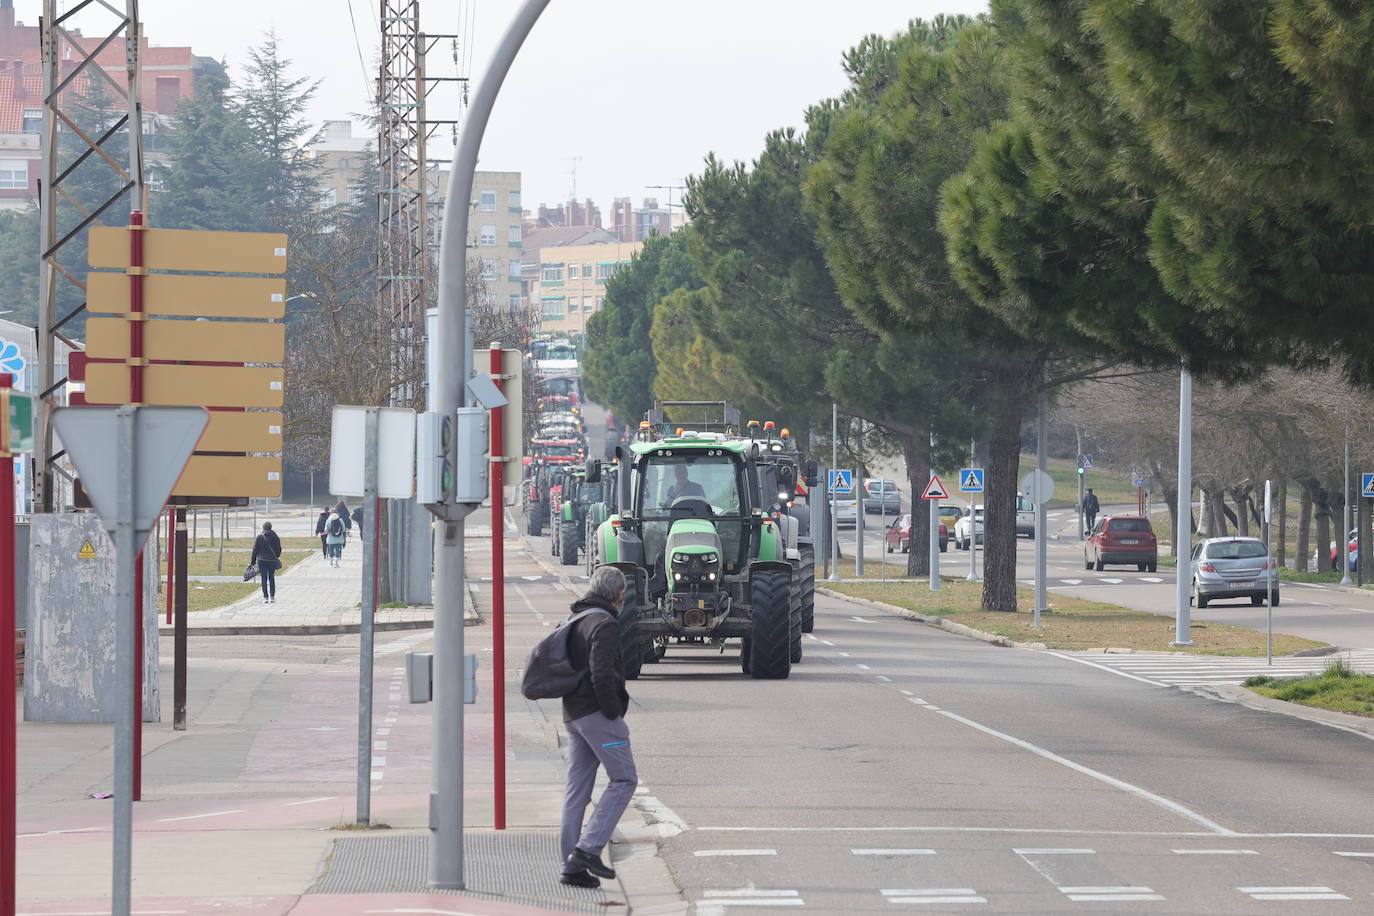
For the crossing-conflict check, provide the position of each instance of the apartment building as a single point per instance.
(571, 282)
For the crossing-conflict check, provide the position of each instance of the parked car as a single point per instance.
(950, 515)
(1025, 516)
(969, 528)
(1122, 539)
(882, 496)
(1232, 568)
(846, 512)
(1352, 551)
(898, 535)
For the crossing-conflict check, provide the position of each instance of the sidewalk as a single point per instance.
(248, 810)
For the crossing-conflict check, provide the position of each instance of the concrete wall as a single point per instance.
(70, 660)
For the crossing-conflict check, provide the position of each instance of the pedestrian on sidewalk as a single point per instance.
(334, 536)
(344, 514)
(267, 558)
(319, 530)
(358, 515)
(1090, 509)
(594, 716)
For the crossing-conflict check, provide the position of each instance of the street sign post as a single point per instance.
(841, 482)
(11, 432)
(128, 458)
(971, 482)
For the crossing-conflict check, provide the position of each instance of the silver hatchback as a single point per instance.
(1233, 568)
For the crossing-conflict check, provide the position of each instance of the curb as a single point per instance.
(306, 629)
(1241, 696)
(940, 623)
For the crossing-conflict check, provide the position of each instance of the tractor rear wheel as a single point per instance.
(794, 621)
(567, 549)
(535, 520)
(631, 644)
(770, 653)
(808, 585)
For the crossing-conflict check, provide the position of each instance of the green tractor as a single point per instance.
(779, 463)
(578, 498)
(599, 500)
(703, 559)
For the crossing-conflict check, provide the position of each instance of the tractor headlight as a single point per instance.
(681, 557)
(677, 577)
(710, 558)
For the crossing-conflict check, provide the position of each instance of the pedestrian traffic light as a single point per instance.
(469, 483)
(1080, 470)
(434, 459)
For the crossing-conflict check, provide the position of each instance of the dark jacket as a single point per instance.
(1090, 503)
(358, 515)
(319, 522)
(266, 550)
(343, 514)
(595, 644)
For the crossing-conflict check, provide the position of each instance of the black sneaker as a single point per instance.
(578, 879)
(579, 858)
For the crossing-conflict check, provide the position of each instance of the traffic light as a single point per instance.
(434, 458)
(470, 479)
(1080, 470)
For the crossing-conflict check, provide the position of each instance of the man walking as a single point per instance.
(319, 529)
(1090, 507)
(267, 558)
(594, 716)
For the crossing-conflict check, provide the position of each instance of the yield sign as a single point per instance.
(935, 489)
(129, 453)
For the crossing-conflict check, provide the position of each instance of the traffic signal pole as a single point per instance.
(9, 798)
(498, 598)
(446, 800)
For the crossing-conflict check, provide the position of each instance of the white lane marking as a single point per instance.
(883, 677)
(1217, 852)
(1055, 852)
(933, 895)
(424, 911)
(1292, 893)
(735, 852)
(749, 891)
(812, 636)
(25, 836)
(892, 852)
(1151, 579)
(1137, 791)
(907, 693)
(379, 745)
(862, 620)
(404, 643)
(310, 801)
(842, 654)
(196, 817)
(1123, 898)
(106, 913)
(1357, 855)
(379, 761)
(1107, 890)
(1109, 581)
(864, 667)
(1084, 661)
(383, 732)
(827, 642)
(1051, 831)
(1073, 581)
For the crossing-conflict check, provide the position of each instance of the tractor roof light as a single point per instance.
(679, 431)
(786, 433)
(769, 425)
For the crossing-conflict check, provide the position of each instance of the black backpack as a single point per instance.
(549, 672)
(336, 527)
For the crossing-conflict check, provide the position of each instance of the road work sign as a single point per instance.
(935, 489)
(841, 482)
(971, 480)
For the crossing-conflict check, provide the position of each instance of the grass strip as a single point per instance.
(206, 596)
(1337, 688)
(1073, 623)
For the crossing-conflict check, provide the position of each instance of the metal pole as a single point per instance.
(446, 803)
(1183, 635)
(180, 628)
(171, 561)
(882, 528)
(498, 598)
(973, 520)
(933, 507)
(1268, 575)
(8, 724)
(1042, 435)
(1078, 472)
(126, 633)
(859, 510)
(834, 500)
(1343, 554)
(365, 631)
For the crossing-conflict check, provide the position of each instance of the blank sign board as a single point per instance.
(395, 452)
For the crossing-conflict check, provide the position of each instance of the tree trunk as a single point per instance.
(1301, 552)
(918, 475)
(1282, 534)
(1171, 501)
(1241, 497)
(1322, 500)
(1216, 504)
(999, 513)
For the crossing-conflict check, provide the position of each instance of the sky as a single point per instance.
(629, 93)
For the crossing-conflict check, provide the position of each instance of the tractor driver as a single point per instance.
(684, 486)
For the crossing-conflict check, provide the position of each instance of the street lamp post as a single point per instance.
(1344, 554)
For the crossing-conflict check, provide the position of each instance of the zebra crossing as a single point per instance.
(1088, 581)
(1182, 670)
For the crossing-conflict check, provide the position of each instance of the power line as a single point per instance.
(357, 43)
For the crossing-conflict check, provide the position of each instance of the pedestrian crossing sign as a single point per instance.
(841, 482)
(1367, 484)
(971, 480)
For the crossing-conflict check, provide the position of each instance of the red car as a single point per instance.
(898, 535)
(1122, 539)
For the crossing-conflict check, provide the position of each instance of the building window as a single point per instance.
(345, 164)
(489, 268)
(551, 273)
(605, 271)
(574, 304)
(33, 120)
(599, 300)
(328, 198)
(513, 236)
(14, 174)
(553, 306)
(513, 267)
(488, 202)
(586, 271)
(514, 302)
(572, 271)
(488, 239)
(513, 201)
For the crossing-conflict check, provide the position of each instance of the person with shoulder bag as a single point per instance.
(267, 558)
(594, 716)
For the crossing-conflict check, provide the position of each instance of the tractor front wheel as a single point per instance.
(567, 548)
(794, 617)
(770, 654)
(808, 583)
(631, 645)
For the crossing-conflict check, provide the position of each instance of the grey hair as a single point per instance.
(608, 584)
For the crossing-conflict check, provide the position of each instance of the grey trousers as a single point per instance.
(594, 741)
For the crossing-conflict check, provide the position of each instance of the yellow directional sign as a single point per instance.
(242, 431)
(216, 475)
(191, 250)
(203, 386)
(192, 341)
(190, 296)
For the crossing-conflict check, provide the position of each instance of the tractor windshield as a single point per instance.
(709, 475)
